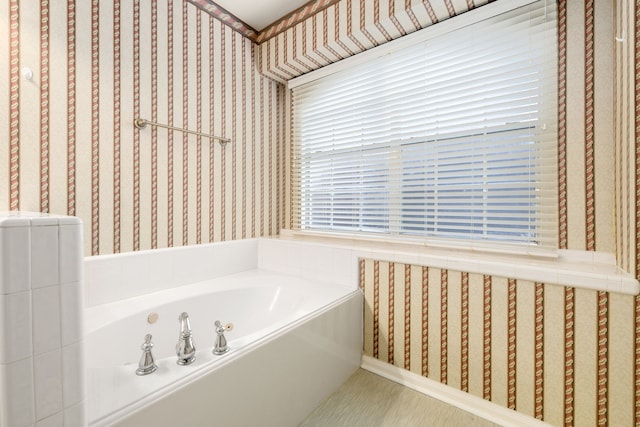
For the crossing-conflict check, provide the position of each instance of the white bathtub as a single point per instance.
(294, 341)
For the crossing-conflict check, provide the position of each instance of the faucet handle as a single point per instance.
(146, 365)
(147, 345)
(221, 346)
(226, 327)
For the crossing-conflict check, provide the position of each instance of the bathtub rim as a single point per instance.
(215, 364)
(100, 316)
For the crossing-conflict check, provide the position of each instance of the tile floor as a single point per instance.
(368, 400)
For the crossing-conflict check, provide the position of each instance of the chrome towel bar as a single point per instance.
(142, 123)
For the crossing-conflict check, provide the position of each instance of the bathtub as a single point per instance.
(293, 342)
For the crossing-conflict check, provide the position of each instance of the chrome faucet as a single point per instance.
(220, 347)
(185, 349)
(146, 365)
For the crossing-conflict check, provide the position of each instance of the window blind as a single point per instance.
(450, 138)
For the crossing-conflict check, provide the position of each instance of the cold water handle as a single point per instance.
(185, 348)
(220, 347)
(146, 365)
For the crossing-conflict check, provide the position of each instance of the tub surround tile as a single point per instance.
(572, 268)
(614, 284)
(410, 259)
(71, 304)
(158, 271)
(69, 252)
(588, 257)
(193, 263)
(306, 259)
(56, 420)
(466, 264)
(537, 273)
(586, 281)
(44, 256)
(426, 259)
(15, 261)
(42, 219)
(17, 394)
(579, 256)
(75, 415)
(272, 255)
(235, 257)
(218, 260)
(319, 261)
(46, 319)
(15, 327)
(10, 219)
(72, 378)
(112, 278)
(47, 371)
(342, 266)
(41, 317)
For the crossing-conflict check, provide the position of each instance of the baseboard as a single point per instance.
(473, 404)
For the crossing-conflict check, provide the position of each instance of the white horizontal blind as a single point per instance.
(452, 138)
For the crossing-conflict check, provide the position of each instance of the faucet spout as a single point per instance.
(185, 324)
(185, 348)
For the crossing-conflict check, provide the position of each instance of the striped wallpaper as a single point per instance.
(568, 356)
(506, 340)
(626, 124)
(564, 355)
(327, 31)
(627, 137)
(68, 145)
(99, 64)
(586, 130)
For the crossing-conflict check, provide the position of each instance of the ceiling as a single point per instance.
(260, 13)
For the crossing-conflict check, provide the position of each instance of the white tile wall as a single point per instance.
(72, 375)
(71, 300)
(15, 315)
(55, 420)
(47, 371)
(75, 415)
(111, 278)
(41, 340)
(318, 261)
(15, 259)
(68, 238)
(17, 396)
(44, 255)
(335, 260)
(46, 319)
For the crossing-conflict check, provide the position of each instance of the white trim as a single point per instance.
(596, 271)
(433, 31)
(467, 402)
(436, 243)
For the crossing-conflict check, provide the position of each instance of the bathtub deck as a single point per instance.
(369, 400)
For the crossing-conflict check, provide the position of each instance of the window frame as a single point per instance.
(453, 24)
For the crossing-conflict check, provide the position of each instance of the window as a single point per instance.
(451, 137)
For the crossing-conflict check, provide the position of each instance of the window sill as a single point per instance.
(580, 269)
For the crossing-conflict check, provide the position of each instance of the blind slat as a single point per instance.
(453, 137)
